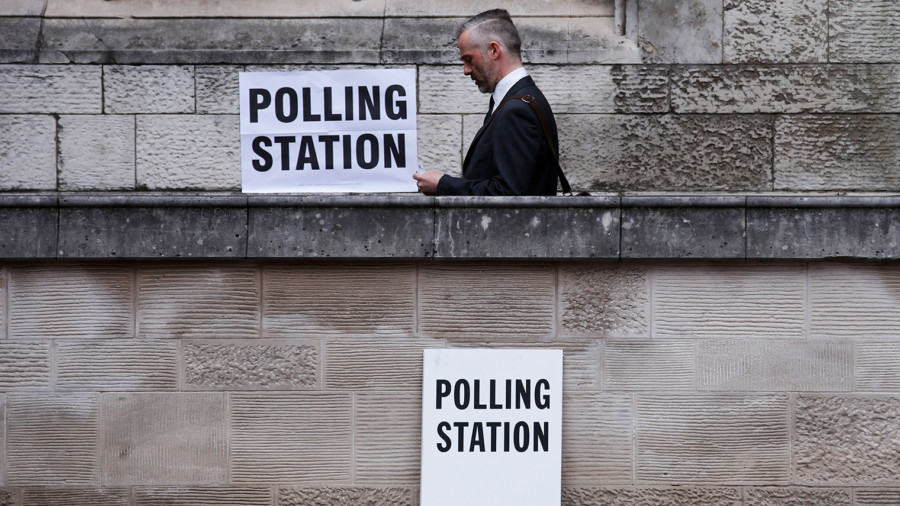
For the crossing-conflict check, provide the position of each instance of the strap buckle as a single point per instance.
(528, 99)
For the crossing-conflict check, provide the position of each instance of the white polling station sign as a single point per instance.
(491, 427)
(341, 131)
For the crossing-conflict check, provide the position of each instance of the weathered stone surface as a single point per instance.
(822, 232)
(203, 496)
(96, 153)
(850, 152)
(680, 32)
(49, 302)
(52, 439)
(666, 152)
(223, 40)
(846, 440)
(777, 496)
(857, 301)
(348, 496)
(22, 8)
(865, 32)
(780, 31)
(375, 364)
(648, 365)
(20, 39)
(218, 89)
(602, 88)
(62, 89)
(199, 152)
(345, 299)
(655, 230)
(214, 9)
(119, 365)
(28, 232)
(164, 438)
(464, 300)
(387, 442)
(484, 228)
(876, 496)
(446, 90)
(781, 366)
(155, 89)
(209, 301)
(762, 301)
(707, 440)
(67, 496)
(340, 229)
(604, 299)
(878, 366)
(28, 158)
(674, 496)
(419, 40)
(440, 142)
(257, 365)
(588, 40)
(786, 89)
(137, 231)
(466, 8)
(597, 439)
(24, 365)
(290, 438)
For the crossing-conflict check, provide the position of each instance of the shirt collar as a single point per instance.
(506, 83)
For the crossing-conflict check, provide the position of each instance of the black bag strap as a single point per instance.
(528, 99)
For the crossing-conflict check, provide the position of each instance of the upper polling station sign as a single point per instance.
(342, 131)
(491, 427)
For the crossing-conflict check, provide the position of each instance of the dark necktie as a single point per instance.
(490, 110)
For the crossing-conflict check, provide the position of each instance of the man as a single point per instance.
(510, 154)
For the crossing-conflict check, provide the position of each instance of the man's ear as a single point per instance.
(494, 49)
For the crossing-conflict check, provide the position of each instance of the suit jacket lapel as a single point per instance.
(522, 83)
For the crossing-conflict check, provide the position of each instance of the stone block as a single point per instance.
(312, 300)
(151, 439)
(604, 299)
(375, 364)
(589, 40)
(666, 152)
(276, 365)
(777, 496)
(119, 365)
(785, 89)
(775, 366)
(446, 90)
(487, 228)
(878, 366)
(741, 301)
(8, 497)
(48, 302)
(200, 152)
(708, 440)
(603, 88)
(440, 142)
(340, 228)
(809, 231)
(52, 440)
(28, 159)
(648, 365)
(876, 496)
(845, 440)
(210, 41)
(29, 232)
(20, 39)
(658, 228)
(347, 496)
(419, 40)
(480, 300)
(67, 496)
(849, 152)
(780, 31)
(680, 32)
(213, 9)
(387, 442)
(24, 366)
(208, 301)
(465, 8)
(856, 301)
(51, 89)
(659, 496)
(153, 89)
(597, 439)
(203, 496)
(290, 438)
(218, 89)
(144, 229)
(22, 8)
(863, 32)
(96, 153)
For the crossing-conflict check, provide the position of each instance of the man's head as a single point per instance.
(489, 47)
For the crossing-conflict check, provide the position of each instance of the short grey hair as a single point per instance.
(493, 25)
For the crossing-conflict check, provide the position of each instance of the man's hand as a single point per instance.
(428, 181)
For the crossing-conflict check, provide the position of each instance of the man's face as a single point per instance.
(477, 65)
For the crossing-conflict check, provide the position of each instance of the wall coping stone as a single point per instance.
(616, 227)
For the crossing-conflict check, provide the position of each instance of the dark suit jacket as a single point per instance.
(510, 154)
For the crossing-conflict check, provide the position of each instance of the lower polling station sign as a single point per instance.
(491, 427)
(342, 131)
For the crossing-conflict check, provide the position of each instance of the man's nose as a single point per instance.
(466, 69)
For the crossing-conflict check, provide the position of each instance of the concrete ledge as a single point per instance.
(150, 225)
